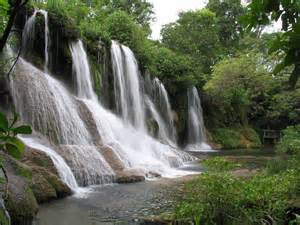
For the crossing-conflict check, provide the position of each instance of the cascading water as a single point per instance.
(128, 94)
(161, 96)
(81, 70)
(133, 146)
(196, 130)
(163, 132)
(63, 169)
(45, 104)
(71, 122)
(29, 31)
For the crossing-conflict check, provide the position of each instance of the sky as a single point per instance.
(166, 11)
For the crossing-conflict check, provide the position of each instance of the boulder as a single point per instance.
(20, 200)
(112, 158)
(45, 181)
(47, 186)
(130, 176)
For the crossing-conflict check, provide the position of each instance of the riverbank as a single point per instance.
(139, 203)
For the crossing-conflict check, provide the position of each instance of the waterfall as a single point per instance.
(45, 103)
(128, 94)
(132, 145)
(163, 133)
(29, 31)
(196, 130)
(81, 70)
(64, 171)
(161, 96)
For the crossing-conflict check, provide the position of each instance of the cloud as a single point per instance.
(166, 11)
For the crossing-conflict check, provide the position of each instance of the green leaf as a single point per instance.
(279, 67)
(22, 130)
(3, 122)
(14, 149)
(15, 118)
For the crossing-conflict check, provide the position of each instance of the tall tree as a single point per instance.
(228, 13)
(287, 43)
(195, 34)
(140, 10)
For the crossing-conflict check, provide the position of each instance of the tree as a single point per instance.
(140, 10)
(287, 43)
(229, 27)
(11, 10)
(236, 83)
(195, 34)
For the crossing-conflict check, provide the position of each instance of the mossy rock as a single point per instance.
(20, 200)
(45, 182)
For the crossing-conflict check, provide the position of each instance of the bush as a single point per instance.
(219, 164)
(219, 198)
(290, 143)
(232, 138)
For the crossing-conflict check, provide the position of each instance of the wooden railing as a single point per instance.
(272, 135)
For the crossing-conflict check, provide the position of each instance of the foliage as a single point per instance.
(4, 6)
(282, 163)
(263, 13)
(283, 108)
(195, 34)
(121, 27)
(9, 141)
(232, 138)
(140, 10)
(219, 164)
(235, 82)
(220, 198)
(229, 28)
(290, 143)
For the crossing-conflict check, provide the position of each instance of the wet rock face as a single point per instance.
(112, 159)
(87, 117)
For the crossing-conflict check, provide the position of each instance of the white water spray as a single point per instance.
(128, 94)
(196, 129)
(162, 98)
(29, 31)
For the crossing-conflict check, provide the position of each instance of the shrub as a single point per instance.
(232, 138)
(290, 143)
(219, 198)
(219, 164)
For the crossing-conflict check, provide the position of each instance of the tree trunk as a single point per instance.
(17, 5)
(294, 76)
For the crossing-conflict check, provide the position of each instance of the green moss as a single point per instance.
(24, 171)
(97, 75)
(232, 138)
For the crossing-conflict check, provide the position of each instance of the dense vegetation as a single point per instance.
(267, 197)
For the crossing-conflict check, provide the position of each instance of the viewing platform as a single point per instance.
(272, 135)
